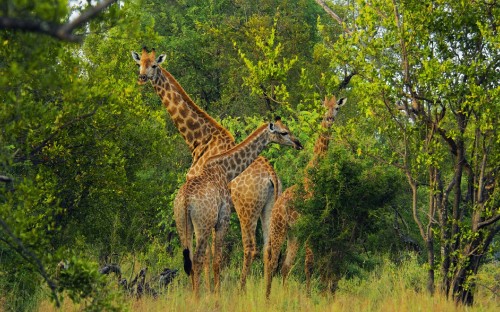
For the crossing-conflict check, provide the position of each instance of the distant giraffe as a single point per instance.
(284, 215)
(253, 192)
(202, 204)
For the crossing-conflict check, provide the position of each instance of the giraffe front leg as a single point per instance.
(308, 266)
(269, 265)
(277, 233)
(249, 250)
(208, 259)
(291, 251)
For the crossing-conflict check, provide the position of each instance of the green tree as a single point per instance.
(428, 91)
(84, 157)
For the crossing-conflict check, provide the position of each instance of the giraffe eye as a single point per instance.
(154, 66)
(284, 133)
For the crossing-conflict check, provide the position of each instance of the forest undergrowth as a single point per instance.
(391, 287)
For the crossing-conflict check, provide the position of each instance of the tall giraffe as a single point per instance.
(253, 192)
(284, 215)
(203, 202)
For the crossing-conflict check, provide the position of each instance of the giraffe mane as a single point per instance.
(195, 107)
(240, 145)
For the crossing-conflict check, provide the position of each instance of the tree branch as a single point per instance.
(5, 179)
(334, 16)
(343, 84)
(404, 53)
(62, 31)
(488, 221)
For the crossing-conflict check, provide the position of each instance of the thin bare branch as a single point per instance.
(334, 16)
(404, 53)
(488, 222)
(5, 179)
(60, 31)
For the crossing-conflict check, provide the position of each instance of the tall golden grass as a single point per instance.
(392, 288)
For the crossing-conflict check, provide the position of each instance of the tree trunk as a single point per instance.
(430, 261)
(441, 201)
(426, 235)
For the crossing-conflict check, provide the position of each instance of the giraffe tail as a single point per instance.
(181, 206)
(188, 265)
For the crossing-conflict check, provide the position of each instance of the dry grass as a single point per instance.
(289, 298)
(389, 288)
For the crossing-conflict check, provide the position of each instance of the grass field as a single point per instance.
(392, 288)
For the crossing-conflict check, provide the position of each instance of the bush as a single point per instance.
(80, 280)
(351, 207)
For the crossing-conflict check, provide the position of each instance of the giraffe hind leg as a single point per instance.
(209, 254)
(272, 253)
(198, 259)
(218, 240)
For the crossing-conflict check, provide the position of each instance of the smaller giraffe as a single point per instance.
(284, 215)
(202, 205)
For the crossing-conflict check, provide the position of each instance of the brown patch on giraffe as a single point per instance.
(172, 110)
(183, 111)
(193, 125)
(177, 120)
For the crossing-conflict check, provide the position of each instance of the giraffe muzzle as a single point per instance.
(298, 145)
(143, 78)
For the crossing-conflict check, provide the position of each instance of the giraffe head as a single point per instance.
(148, 64)
(280, 134)
(332, 108)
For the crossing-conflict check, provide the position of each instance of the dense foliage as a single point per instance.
(90, 162)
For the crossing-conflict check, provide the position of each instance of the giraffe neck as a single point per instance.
(195, 125)
(321, 145)
(235, 160)
(320, 149)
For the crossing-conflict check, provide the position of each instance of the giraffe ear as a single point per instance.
(136, 56)
(161, 59)
(271, 127)
(342, 101)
